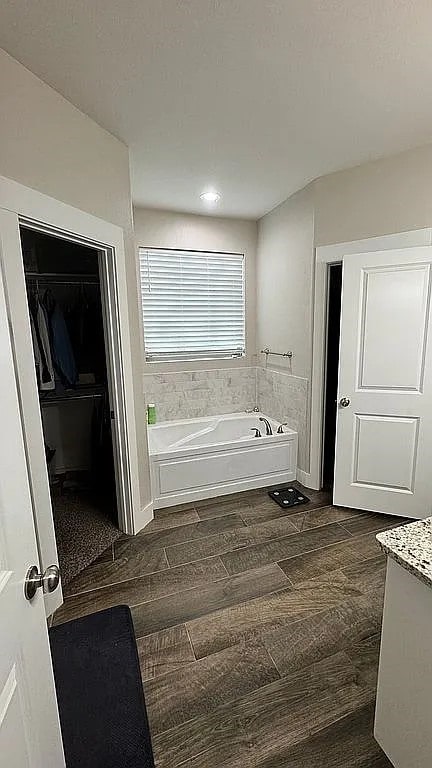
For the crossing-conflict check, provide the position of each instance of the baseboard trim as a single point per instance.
(144, 517)
(305, 478)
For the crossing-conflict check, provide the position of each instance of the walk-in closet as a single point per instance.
(70, 355)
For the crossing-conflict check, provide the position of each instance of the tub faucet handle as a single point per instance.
(257, 432)
(280, 428)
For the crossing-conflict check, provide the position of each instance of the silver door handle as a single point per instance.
(48, 580)
(344, 402)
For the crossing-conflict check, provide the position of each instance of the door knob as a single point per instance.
(48, 580)
(344, 402)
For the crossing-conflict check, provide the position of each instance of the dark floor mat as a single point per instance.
(99, 691)
(288, 497)
(83, 530)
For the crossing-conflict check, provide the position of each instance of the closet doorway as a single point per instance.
(65, 296)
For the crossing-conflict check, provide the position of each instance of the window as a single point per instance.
(193, 304)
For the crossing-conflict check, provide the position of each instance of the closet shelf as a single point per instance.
(52, 398)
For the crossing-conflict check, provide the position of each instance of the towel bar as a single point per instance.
(266, 351)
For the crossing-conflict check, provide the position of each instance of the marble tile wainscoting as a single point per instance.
(191, 394)
(285, 397)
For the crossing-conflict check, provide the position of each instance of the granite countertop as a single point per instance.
(411, 546)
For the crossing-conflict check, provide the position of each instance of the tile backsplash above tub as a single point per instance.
(285, 397)
(191, 394)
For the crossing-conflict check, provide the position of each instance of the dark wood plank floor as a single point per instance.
(257, 628)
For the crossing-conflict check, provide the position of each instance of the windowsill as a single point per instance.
(177, 360)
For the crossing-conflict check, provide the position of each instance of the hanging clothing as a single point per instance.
(61, 348)
(41, 345)
(84, 320)
(36, 351)
(47, 381)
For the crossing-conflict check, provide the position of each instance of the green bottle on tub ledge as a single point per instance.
(151, 413)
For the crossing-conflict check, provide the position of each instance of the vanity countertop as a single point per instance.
(411, 546)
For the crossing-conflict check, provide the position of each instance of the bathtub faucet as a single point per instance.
(269, 430)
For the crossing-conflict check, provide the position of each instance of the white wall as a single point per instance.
(48, 144)
(284, 279)
(68, 429)
(165, 229)
(378, 198)
(284, 313)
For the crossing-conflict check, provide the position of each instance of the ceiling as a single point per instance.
(251, 97)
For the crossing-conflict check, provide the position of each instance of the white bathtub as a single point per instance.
(197, 459)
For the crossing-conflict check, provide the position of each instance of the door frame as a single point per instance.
(38, 211)
(325, 255)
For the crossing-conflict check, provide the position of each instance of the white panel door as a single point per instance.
(384, 419)
(29, 725)
(17, 310)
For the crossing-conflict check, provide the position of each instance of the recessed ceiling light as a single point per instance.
(210, 197)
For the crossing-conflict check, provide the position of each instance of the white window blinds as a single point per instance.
(193, 304)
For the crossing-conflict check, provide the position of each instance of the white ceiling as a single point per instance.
(252, 97)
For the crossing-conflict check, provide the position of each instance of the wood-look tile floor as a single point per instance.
(257, 628)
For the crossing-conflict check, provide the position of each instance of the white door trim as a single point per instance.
(325, 255)
(53, 215)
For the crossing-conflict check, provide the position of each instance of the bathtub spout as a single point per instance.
(269, 430)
